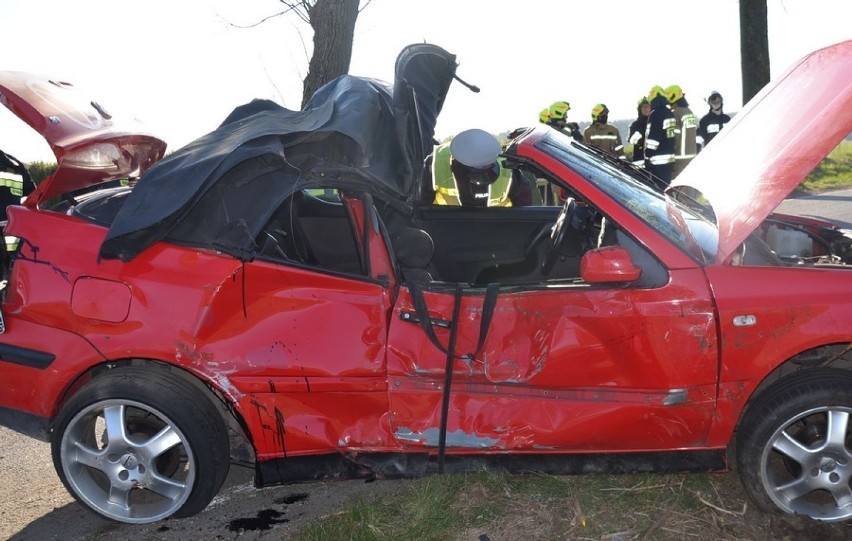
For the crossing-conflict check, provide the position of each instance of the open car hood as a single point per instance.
(774, 143)
(363, 133)
(89, 144)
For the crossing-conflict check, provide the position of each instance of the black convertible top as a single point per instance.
(361, 132)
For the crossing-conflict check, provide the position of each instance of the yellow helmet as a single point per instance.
(559, 109)
(642, 101)
(544, 115)
(655, 91)
(598, 110)
(674, 93)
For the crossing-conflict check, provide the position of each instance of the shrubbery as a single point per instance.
(40, 170)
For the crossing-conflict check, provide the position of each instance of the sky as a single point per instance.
(180, 66)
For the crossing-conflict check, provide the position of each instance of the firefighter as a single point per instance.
(602, 135)
(636, 132)
(713, 122)
(15, 182)
(466, 172)
(15, 185)
(660, 138)
(687, 127)
(556, 117)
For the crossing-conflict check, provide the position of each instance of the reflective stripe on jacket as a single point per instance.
(660, 133)
(14, 182)
(685, 137)
(603, 136)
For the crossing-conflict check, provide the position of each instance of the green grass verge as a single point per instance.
(834, 172)
(467, 506)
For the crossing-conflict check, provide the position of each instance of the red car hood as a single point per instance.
(774, 143)
(90, 145)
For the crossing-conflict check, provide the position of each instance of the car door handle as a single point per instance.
(411, 317)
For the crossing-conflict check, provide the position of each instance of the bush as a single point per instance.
(40, 170)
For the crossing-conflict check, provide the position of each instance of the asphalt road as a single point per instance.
(835, 206)
(35, 506)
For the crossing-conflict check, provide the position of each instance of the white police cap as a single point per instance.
(475, 148)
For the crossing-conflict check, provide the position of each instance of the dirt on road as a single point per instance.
(34, 505)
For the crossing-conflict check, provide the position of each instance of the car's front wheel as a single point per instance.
(794, 450)
(138, 446)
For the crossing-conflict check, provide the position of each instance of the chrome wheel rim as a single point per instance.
(806, 465)
(127, 461)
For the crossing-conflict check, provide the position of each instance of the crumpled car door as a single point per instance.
(571, 368)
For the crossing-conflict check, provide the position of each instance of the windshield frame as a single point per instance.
(625, 184)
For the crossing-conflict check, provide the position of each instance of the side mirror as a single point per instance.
(608, 264)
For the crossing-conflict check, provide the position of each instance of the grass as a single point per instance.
(498, 506)
(834, 172)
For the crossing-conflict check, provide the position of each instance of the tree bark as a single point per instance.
(754, 47)
(333, 22)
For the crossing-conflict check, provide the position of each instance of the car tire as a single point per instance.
(138, 445)
(794, 448)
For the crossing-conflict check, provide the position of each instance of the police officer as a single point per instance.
(602, 135)
(660, 138)
(466, 172)
(687, 127)
(713, 122)
(636, 132)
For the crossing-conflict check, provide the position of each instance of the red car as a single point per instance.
(277, 288)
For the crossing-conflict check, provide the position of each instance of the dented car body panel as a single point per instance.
(345, 331)
(573, 361)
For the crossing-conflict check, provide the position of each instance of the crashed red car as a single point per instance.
(276, 288)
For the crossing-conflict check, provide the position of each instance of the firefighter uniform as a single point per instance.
(636, 133)
(685, 136)
(11, 190)
(713, 122)
(660, 138)
(603, 136)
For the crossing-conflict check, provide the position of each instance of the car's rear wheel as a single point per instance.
(138, 446)
(794, 452)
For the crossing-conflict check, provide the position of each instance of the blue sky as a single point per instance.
(181, 66)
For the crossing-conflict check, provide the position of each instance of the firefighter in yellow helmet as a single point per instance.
(659, 138)
(557, 117)
(600, 134)
(686, 146)
(466, 172)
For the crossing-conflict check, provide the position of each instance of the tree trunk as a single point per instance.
(754, 47)
(333, 22)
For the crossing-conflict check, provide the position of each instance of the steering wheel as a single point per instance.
(558, 234)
